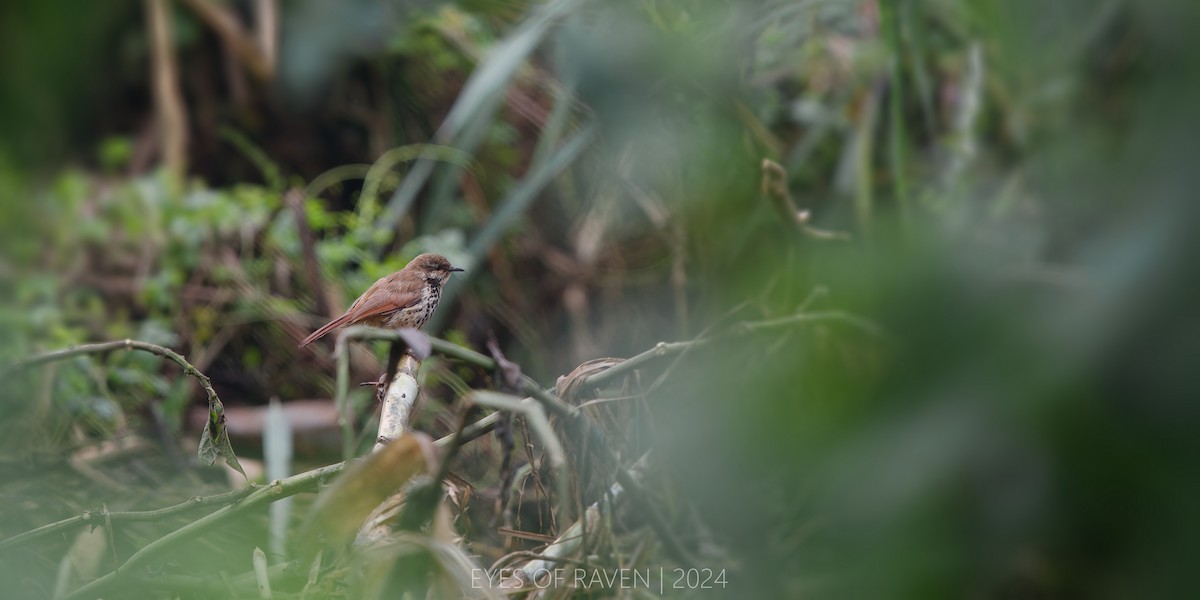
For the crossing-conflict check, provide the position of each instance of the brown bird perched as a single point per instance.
(406, 298)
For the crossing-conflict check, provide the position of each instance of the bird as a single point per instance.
(406, 298)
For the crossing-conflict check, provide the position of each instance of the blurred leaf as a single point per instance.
(343, 507)
(468, 120)
(115, 152)
(521, 195)
(214, 442)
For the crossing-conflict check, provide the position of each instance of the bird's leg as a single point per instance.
(380, 386)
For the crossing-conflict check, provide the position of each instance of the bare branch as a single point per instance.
(774, 186)
(415, 340)
(267, 26)
(808, 317)
(294, 199)
(225, 24)
(398, 401)
(168, 100)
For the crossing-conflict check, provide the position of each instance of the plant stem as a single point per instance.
(263, 495)
(214, 428)
(91, 517)
(889, 13)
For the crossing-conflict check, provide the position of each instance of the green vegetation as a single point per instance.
(908, 287)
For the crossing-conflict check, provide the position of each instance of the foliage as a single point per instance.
(985, 391)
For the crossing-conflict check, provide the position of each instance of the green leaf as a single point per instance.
(214, 441)
(115, 152)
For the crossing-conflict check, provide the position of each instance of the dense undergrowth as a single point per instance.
(963, 370)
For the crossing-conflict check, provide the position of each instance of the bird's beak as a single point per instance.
(453, 269)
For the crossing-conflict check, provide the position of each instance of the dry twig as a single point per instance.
(168, 100)
(774, 186)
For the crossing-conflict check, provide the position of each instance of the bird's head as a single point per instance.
(433, 267)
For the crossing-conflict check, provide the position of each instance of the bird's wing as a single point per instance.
(370, 304)
(374, 305)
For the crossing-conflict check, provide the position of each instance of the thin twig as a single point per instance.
(666, 349)
(507, 558)
(803, 317)
(294, 198)
(102, 347)
(660, 350)
(468, 355)
(91, 517)
(774, 186)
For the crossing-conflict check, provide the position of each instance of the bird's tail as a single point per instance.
(330, 326)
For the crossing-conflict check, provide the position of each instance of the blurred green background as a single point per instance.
(983, 383)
